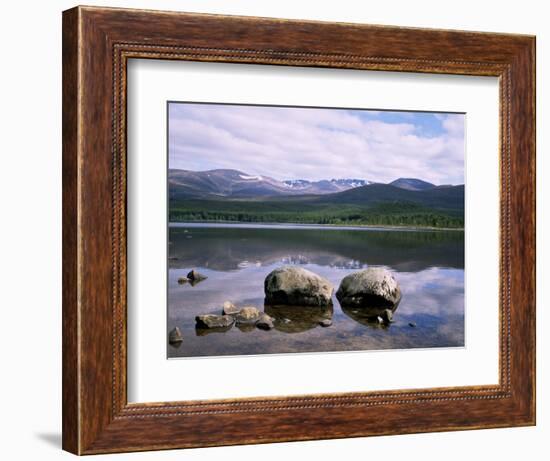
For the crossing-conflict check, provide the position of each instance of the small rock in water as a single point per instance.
(175, 337)
(412, 324)
(248, 314)
(265, 322)
(325, 323)
(214, 321)
(229, 308)
(380, 319)
(183, 280)
(195, 276)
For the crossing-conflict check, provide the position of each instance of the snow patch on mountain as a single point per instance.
(250, 178)
(345, 183)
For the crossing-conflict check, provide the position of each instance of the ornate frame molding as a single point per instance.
(98, 43)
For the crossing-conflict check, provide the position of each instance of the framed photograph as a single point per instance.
(282, 230)
(260, 239)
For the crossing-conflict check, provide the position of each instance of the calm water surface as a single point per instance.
(429, 266)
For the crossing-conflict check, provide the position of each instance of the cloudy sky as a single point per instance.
(310, 143)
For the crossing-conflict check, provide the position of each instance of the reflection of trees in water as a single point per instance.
(233, 248)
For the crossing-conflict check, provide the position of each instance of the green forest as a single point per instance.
(277, 211)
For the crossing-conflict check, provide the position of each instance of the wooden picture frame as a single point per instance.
(97, 43)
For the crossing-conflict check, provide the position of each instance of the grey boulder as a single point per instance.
(175, 337)
(214, 321)
(374, 288)
(295, 286)
(265, 322)
(195, 276)
(248, 314)
(229, 308)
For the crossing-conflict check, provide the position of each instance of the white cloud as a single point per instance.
(292, 143)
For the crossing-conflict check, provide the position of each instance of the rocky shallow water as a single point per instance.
(429, 266)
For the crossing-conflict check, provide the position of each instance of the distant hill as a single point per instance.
(226, 183)
(234, 196)
(412, 184)
(449, 199)
(221, 183)
(324, 186)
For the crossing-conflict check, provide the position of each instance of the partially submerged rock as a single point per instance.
(195, 276)
(175, 337)
(373, 288)
(247, 318)
(229, 308)
(248, 314)
(214, 321)
(295, 286)
(265, 322)
(183, 280)
(326, 323)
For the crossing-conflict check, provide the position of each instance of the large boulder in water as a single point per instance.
(373, 288)
(295, 286)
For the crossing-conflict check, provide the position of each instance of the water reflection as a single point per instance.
(233, 248)
(297, 319)
(369, 317)
(429, 266)
(208, 331)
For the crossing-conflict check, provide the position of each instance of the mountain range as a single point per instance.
(232, 195)
(226, 183)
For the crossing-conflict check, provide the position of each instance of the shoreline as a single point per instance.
(373, 227)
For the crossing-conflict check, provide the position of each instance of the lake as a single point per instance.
(428, 265)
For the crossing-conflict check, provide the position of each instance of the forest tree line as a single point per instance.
(390, 214)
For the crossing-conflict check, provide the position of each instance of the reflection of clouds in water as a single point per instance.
(432, 298)
(433, 291)
(428, 265)
(230, 248)
(453, 334)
